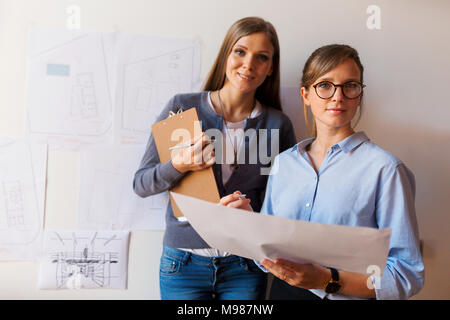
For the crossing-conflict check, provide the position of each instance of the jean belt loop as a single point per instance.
(186, 257)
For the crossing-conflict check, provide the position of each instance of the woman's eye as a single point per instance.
(324, 85)
(239, 51)
(351, 85)
(263, 58)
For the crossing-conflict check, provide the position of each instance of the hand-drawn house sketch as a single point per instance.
(150, 71)
(68, 91)
(84, 259)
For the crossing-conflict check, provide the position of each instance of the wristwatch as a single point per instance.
(333, 286)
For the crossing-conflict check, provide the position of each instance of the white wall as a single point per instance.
(407, 64)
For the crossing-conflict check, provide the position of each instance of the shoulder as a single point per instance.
(378, 155)
(183, 101)
(188, 100)
(287, 155)
(276, 114)
(383, 161)
(276, 118)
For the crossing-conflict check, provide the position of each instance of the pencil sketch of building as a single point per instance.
(13, 198)
(83, 101)
(84, 268)
(85, 259)
(149, 83)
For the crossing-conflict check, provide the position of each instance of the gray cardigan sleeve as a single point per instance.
(154, 177)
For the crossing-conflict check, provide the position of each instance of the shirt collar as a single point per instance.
(353, 141)
(347, 145)
(302, 145)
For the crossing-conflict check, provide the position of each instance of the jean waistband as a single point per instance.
(184, 256)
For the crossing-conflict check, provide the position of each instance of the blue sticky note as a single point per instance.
(61, 70)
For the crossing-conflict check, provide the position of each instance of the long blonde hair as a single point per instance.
(268, 93)
(320, 62)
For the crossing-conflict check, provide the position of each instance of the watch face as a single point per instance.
(332, 287)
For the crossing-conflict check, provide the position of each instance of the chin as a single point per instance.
(245, 89)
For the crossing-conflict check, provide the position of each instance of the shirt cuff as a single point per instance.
(260, 266)
(385, 288)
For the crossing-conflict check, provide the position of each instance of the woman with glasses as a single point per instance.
(342, 178)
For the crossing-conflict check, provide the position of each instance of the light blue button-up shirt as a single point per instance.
(358, 184)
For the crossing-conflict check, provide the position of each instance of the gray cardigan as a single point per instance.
(154, 177)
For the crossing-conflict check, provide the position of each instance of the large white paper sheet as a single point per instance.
(68, 87)
(23, 171)
(107, 199)
(150, 70)
(84, 260)
(256, 236)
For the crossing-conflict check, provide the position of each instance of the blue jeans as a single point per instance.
(187, 276)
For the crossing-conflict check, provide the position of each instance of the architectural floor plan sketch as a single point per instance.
(13, 195)
(107, 199)
(149, 72)
(83, 100)
(23, 168)
(84, 259)
(69, 100)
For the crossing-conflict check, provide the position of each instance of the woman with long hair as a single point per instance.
(239, 97)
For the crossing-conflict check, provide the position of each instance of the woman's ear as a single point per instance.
(304, 92)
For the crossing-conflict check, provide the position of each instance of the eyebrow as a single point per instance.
(262, 51)
(330, 79)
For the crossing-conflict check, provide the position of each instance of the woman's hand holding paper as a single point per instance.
(236, 200)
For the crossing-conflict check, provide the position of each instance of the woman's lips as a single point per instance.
(335, 111)
(244, 77)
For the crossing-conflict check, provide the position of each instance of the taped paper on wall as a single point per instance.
(107, 199)
(23, 170)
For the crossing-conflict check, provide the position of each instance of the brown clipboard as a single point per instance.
(198, 184)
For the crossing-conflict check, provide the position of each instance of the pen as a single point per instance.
(241, 196)
(181, 146)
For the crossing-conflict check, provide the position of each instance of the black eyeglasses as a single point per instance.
(350, 89)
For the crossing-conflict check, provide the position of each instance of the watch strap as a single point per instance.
(334, 274)
(333, 285)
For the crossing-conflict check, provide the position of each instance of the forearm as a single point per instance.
(356, 284)
(155, 179)
(312, 276)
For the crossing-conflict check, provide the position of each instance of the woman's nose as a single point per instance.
(249, 62)
(338, 94)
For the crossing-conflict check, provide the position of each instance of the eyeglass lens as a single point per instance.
(326, 89)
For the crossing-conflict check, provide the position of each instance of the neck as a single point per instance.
(328, 137)
(236, 106)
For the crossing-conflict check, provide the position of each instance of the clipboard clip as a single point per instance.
(171, 113)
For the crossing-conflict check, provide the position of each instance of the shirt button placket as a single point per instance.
(309, 204)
